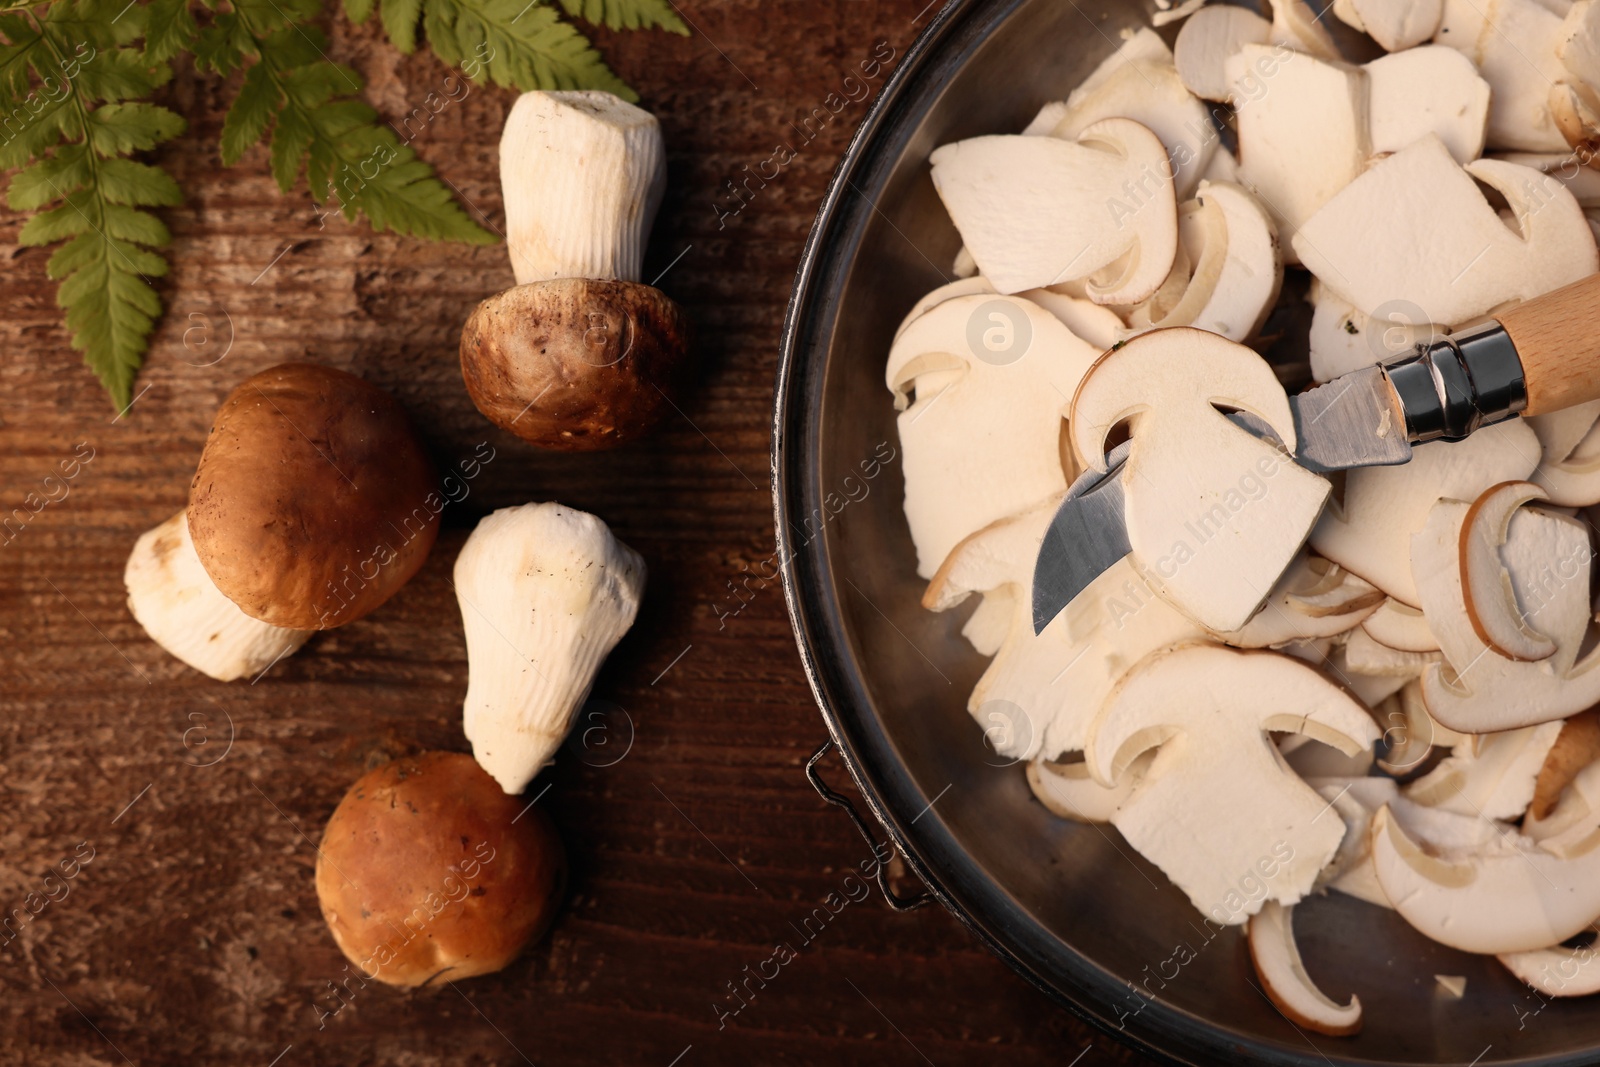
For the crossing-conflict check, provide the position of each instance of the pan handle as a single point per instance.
(839, 800)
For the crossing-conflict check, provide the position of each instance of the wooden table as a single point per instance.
(192, 935)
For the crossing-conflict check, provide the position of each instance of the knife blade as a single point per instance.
(1357, 420)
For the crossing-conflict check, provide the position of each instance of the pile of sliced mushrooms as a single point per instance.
(1424, 664)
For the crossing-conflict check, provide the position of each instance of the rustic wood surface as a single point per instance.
(192, 934)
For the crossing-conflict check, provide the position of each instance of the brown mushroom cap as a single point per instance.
(314, 500)
(428, 870)
(575, 365)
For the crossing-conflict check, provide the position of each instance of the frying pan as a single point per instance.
(1071, 907)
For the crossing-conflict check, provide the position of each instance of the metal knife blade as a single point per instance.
(1353, 421)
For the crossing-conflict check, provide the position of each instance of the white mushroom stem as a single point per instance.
(185, 613)
(582, 174)
(1278, 964)
(546, 592)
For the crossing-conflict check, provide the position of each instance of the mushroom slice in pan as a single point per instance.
(1237, 267)
(1569, 465)
(1513, 43)
(1367, 656)
(1557, 971)
(973, 286)
(979, 381)
(1496, 781)
(1574, 755)
(1034, 210)
(1068, 790)
(1139, 82)
(1314, 598)
(1302, 131)
(1497, 617)
(1277, 962)
(1401, 627)
(1370, 531)
(1416, 229)
(1210, 708)
(1427, 90)
(1040, 693)
(1207, 40)
(1397, 25)
(1294, 23)
(1344, 338)
(1476, 690)
(1510, 895)
(1214, 514)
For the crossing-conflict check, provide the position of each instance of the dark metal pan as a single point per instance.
(1071, 907)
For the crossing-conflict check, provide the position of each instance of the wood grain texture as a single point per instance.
(1558, 338)
(192, 935)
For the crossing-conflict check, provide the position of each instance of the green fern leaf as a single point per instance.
(252, 111)
(628, 14)
(170, 29)
(399, 19)
(358, 11)
(66, 77)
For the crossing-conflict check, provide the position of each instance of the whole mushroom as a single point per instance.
(428, 871)
(313, 503)
(581, 355)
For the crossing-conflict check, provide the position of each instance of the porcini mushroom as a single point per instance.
(1052, 682)
(1214, 513)
(1314, 598)
(1068, 790)
(1207, 40)
(1370, 530)
(1277, 963)
(1426, 90)
(1491, 778)
(1576, 748)
(546, 592)
(1569, 463)
(1397, 25)
(1547, 557)
(183, 611)
(1018, 202)
(1557, 971)
(428, 872)
(314, 500)
(1416, 228)
(1302, 131)
(1400, 626)
(1210, 708)
(1513, 43)
(980, 383)
(581, 355)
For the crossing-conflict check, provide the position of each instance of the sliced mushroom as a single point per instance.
(1277, 962)
(1494, 782)
(1476, 690)
(1577, 805)
(1569, 465)
(1511, 895)
(1224, 167)
(1344, 338)
(1400, 626)
(1367, 656)
(1415, 228)
(1197, 486)
(1397, 24)
(1583, 182)
(183, 611)
(1576, 748)
(1499, 620)
(1237, 266)
(1557, 971)
(1426, 90)
(972, 286)
(1295, 25)
(1411, 734)
(1312, 759)
(1041, 692)
(1209, 709)
(1139, 82)
(1097, 325)
(1207, 40)
(1302, 131)
(1575, 109)
(1038, 210)
(1513, 44)
(1355, 800)
(990, 377)
(1370, 532)
(1314, 598)
(1067, 789)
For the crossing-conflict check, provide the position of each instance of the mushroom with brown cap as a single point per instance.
(314, 500)
(1277, 963)
(580, 355)
(428, 872)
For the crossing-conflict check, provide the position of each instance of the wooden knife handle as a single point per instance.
(1557, 336)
